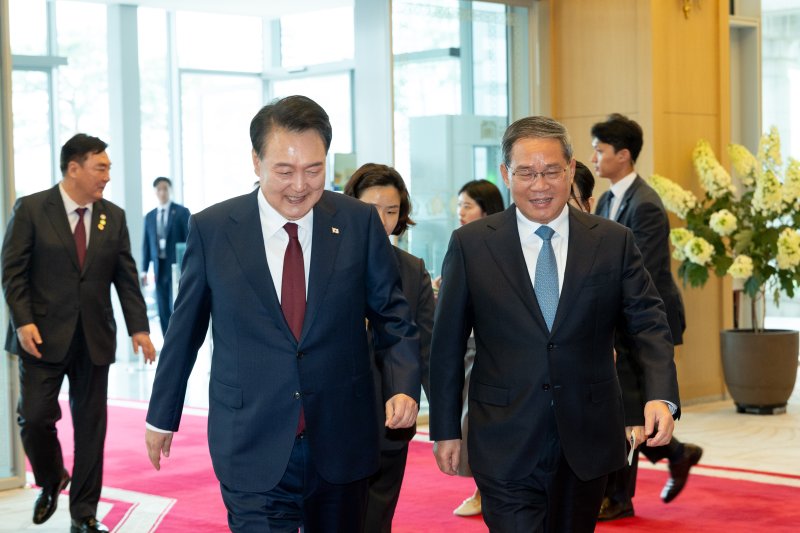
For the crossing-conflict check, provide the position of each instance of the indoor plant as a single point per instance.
(746, 231)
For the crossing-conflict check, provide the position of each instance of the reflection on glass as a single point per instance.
(489, 65)
(322, 36)
(236, 44)
(216, 111)
(83, 83)
(429, 25)
(28, 28)
(30, 104)
(332, 92)
(154, 104)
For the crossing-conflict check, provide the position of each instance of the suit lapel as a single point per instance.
(54, 208)
(97, 232)
(504, 245)
(628, 196)
(247, 240)
(581, 251)
(324, 248)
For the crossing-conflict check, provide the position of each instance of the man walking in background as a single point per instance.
(289, 273)
(164, 227)
(633, 203)
(63, 249)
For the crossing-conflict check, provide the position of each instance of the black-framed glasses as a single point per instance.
(550, 175)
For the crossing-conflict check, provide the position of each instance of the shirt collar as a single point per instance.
(69, 204)
(166, 206)
(560, 224)
(620, 188)
(274, 221)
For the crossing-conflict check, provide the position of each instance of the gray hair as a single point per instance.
(537, 127)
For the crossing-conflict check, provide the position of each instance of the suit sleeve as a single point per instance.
(395, 336)
(186, 333)
(126, 281)
(451, 329)
(17, 249)
(647, 326)
(647, 223)
(426, 305)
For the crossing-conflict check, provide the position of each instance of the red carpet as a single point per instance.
(708, 504)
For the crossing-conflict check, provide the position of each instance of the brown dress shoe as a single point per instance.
(47, 501)
(679, 471)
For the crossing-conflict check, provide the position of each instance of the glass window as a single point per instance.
(29, 30)
(489, 64)
(333, 93)
(33, 161)
(83, 103)
(155, 111)
(322, 36)
(216, 111)
(236, 44)
(429, 25)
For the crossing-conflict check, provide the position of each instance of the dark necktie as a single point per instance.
(80, 236)
(545, 284)
(293, 293)
(607, 208)
(160, 226)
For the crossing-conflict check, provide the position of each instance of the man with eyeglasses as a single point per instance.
(544, 286)
(616, 144)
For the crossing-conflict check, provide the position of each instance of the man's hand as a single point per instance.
(657, 415)
(447, 453)
(401, 411)
(156, 444)
(148, 350)
(638, 434)
(29, 337)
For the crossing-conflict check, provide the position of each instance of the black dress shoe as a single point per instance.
(88, 525)
(47, 501)
(679, 471)
(612, 510)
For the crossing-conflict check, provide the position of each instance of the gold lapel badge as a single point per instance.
(102, 224)
(335, 231)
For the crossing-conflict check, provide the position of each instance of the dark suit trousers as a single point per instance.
(301, 498)
(38, 411)
(622, 483)
(384, 490)
(164, 293)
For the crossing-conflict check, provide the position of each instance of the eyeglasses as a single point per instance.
(551, 175)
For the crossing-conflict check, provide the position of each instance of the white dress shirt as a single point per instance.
(70, 206)
(532, 243)
(619, 189)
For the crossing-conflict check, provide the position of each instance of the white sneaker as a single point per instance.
(469, 507)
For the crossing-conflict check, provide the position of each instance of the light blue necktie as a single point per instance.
(545, 285)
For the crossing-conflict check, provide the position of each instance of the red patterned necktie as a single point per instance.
(80, 236)
(293, 293)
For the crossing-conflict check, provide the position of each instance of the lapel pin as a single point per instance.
(102, 216)
(101, 227)
(335, 231)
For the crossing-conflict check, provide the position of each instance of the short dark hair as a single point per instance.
(584, 181)
(294, 113)
(536, 128)
(486, 195)
(160, 179)
(78, 149)
(620, 132)
(376, 175)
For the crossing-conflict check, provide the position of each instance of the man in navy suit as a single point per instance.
(617, 142)
(544, 286)
(289, 274)
(62, 251)
(164, 227)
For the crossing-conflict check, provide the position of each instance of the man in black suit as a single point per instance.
(164, 227)
(290, 273)
(617, 143)
(544, 286)
(63, 249)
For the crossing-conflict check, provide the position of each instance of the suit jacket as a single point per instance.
(522, 373)
(642, 211)
(260, 374)
(43, 284)
(176, 231)
(417, 288)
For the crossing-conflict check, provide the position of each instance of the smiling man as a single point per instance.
(544, 286)
(63, 249)
(288, 274)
